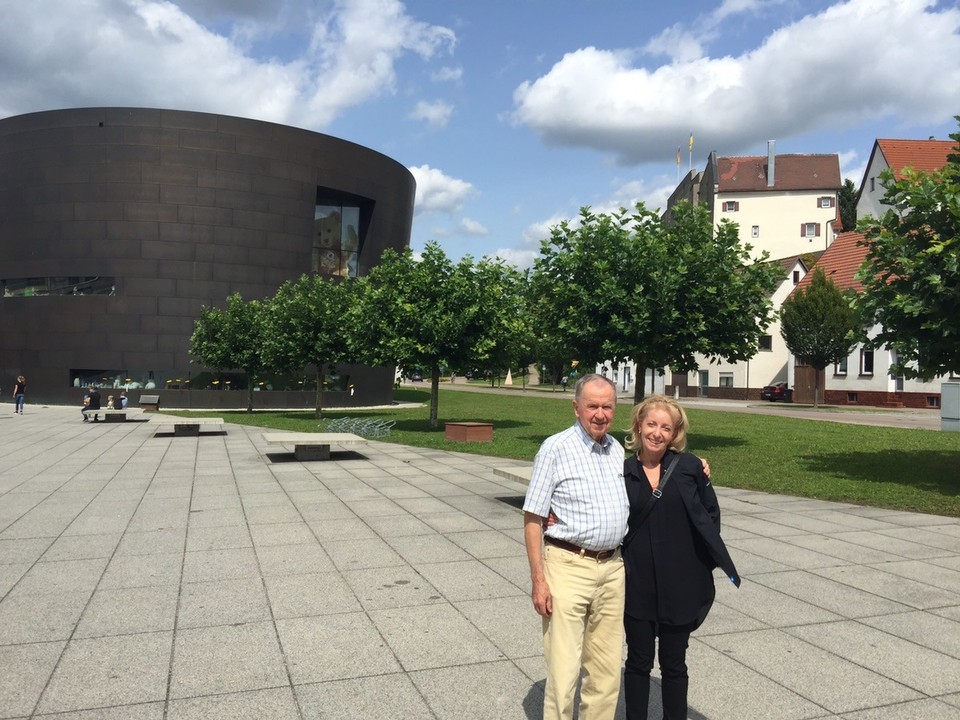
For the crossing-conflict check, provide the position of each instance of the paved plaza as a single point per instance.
(145, 576)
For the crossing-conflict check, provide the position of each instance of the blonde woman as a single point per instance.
(670, 550)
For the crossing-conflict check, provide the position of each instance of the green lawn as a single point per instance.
(906, 469)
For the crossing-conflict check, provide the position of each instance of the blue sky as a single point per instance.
(512, 115)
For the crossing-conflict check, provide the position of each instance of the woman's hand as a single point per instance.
(550, 520)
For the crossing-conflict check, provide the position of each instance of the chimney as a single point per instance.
(771, 163)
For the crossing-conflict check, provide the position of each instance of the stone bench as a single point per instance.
(187, 426)
(110, 415)
(468, 432)
(150, 403)
(312, 446)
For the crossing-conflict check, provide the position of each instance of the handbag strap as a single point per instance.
(658, 492)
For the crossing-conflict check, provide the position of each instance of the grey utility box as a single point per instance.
(950, 407)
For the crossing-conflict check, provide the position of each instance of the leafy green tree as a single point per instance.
(508, 337)
(628, 286)
(305, 327)
(232, 338)
(848, 205)
(431, 313)
(819, 325)
(911, 275)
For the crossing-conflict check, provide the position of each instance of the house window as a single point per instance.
(766, 342)
(826, 202)
(873, 186)
(933, 401)
(726, 379)
(796, 277)
(851, 397)
(755, 231)
(866, 362)
(840, 368)
(731, 206)
(810, 230)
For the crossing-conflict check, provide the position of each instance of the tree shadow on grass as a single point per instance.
(936, 471)
(423, 424)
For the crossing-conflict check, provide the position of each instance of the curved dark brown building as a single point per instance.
(117, 224)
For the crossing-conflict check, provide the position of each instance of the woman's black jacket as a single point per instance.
(670, 558)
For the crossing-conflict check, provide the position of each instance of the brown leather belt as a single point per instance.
(583, 552)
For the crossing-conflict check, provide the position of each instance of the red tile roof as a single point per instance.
(791, 172)
(925, 155)
(840, 262)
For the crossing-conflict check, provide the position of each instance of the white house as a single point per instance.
(896, 155)
(863, 378)
(785, 205)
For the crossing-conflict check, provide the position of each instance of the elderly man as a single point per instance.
(576, 570)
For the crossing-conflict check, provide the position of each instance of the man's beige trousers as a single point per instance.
(585, 630)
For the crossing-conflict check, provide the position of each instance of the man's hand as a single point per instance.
(533, 539)
(542, 599)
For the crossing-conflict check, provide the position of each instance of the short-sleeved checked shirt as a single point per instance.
(581, 481)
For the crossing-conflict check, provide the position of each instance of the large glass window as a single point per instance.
(41, 286)
(339, 222)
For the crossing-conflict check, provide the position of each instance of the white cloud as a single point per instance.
(852, 166)
(521, 259)
(437, 192)
(833, 69)
(153, 53)
(447, 74)
(469, 226)
(436, 114)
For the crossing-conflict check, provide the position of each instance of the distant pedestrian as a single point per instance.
(19, 390)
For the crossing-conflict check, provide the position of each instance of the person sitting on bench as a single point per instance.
(91, 401)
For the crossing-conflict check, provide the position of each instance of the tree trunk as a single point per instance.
(320, 387)
(639, 385)
(250, 381)
(816, 388)
(434, 394)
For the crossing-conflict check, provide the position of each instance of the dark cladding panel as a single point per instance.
(238, 274)
(188, 120)
(223, 180)
(170, 174)
(203, 215)
(182, 307)
(155, 136)
(131, 192)
(180, 269)
(150, 287)
(186, 195)
(258, 220)
(130, 230)
(186, 232)
(138, 117)
(207, 140)
(129, 342)
(167, 250)
(191, 157)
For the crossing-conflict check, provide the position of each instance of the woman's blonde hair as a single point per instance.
(659, 402)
